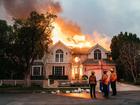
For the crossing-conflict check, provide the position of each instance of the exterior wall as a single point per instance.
(91, 55)
(71, 65)
(98, 69)
(51, 54)
(78, 66)
(81, 57)
(50, 60)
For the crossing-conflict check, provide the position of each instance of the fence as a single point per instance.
(20, 82)
(48, 83)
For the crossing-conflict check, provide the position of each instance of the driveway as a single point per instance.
(127, 95)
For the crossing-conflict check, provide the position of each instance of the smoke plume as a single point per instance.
(22, 8)
(68, 31)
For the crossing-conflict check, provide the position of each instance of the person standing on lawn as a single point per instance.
(92, 83)
(105, 82)
(113, 79)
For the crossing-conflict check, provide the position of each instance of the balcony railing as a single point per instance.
(55, 77)
(37, 77)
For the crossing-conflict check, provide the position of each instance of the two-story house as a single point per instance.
(66, 63)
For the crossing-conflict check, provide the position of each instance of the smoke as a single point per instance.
(22, 8)
(69, 28)
(102, 39)
(69, 31)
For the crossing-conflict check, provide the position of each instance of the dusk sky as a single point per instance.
(107, 17)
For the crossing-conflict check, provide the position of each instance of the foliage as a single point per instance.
(124, 48)
(8, 68)
(21, 43)
(84, 77)
(33, 39)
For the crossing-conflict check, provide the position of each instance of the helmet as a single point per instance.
(104, 71)
(112, 70)
(92, 72)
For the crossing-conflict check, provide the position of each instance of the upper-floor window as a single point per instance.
(59, 55)
(97, 54)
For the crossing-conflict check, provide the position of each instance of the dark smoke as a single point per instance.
(22, 8)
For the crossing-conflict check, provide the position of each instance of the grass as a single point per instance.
(34, 89)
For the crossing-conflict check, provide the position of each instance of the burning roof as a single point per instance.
(64, 30)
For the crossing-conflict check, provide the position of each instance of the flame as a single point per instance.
(66, 31)
(80, 40)
(69, 40)
(70, 33)
(102, 39)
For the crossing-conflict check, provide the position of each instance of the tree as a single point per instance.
(128, 52)
(32, 39)
(124, 48)
(4, 37)
(7, 68)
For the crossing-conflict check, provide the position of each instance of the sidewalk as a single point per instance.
(127, 87)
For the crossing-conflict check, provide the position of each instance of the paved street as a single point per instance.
(126, 96)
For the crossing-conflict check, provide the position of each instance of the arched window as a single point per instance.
(59, 55)
(97, 54)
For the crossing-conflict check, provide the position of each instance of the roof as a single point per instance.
(90, 61)
(108, 61)
(80, 50)
(59, 43)
(97, 46)
(93, 61)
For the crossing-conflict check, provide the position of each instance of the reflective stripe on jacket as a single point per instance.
(113, 77)
(105, 79)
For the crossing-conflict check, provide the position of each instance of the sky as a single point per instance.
(108, 17)
(104, 16)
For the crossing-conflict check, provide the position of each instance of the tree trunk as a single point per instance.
(133, 75)
(27, 78)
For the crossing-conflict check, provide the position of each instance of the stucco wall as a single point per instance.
(52, 52)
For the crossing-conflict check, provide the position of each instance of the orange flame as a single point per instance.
(73, 40)
(79, 40)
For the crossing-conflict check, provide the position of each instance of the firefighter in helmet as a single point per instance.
(113, 79)
(92, 84)
(105, 82)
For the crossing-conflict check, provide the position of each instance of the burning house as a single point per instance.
(72, 54)
(67, 63)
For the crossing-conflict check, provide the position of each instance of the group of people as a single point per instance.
(105, 81)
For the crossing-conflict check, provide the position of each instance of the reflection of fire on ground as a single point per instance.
(82, 95)
(78, 95)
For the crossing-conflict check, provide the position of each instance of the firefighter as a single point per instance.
(92, 83)
(113, 79)
(105, 82)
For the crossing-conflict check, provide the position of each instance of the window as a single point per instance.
(36, 70)
(58, 70)
(97, 54)
(59, 56)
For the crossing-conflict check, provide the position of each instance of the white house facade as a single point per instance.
(66, 63)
